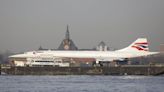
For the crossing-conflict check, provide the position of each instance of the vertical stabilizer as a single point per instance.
(140, 44)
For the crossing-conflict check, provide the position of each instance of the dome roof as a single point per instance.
(102, 44)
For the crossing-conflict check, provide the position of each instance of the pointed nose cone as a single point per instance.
(17, 56)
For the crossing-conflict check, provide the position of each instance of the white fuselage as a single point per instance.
(84, 54)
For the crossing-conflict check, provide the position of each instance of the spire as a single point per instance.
(67, 43)
(67, 33)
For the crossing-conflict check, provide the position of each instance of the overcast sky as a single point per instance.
(27, 24)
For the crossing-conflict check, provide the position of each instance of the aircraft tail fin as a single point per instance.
(141, 44)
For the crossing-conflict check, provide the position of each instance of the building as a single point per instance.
(67, 43)
(102, 46)
(40, 48)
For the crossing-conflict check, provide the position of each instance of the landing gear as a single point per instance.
(97, 64)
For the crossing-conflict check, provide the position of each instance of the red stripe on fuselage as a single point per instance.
(141, 43)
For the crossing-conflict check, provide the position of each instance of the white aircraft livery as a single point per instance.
(137, 49)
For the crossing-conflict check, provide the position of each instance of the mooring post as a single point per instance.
(149, 69)
(15, 70)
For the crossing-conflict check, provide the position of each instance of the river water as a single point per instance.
(71, 83)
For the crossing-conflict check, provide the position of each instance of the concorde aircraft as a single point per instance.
(137, 49)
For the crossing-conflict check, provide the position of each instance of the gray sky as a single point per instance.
(27, 24)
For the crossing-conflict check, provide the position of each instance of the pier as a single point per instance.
(146, 70)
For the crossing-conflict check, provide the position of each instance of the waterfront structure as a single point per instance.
(67, 43)
(118, 70)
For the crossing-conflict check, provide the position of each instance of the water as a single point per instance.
(81, 84)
